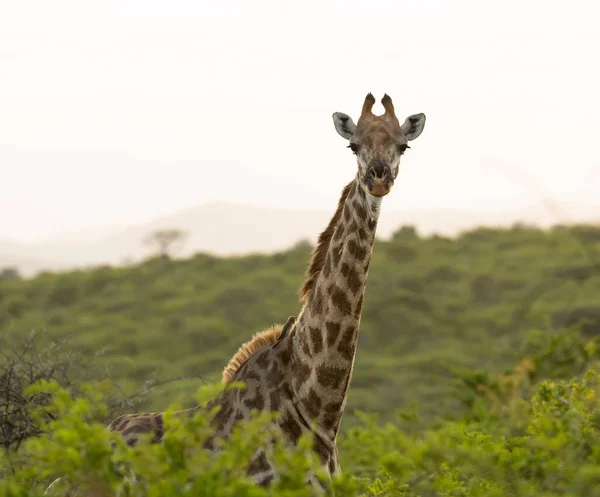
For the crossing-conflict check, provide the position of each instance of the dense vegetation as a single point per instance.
(477, 354)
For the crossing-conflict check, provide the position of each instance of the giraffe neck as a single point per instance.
(326, 332)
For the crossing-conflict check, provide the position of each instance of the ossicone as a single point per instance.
(386, 101)
(368, 105)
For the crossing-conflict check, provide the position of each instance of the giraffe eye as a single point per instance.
(354, 147)
(402, 148)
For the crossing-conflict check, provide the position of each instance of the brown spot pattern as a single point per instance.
(302, 373)
(259, 464)
(327, 266)
(317, 301)
(347, 214)
(252, 376)
(330, 377)
(266, 481)
(339, 232)
(360, 210)
(354, 281)
(340, 300)
(285, 353)
(333, 463)
(332, 407)
(347, 345)
(353, 188)
(345, 269)
(256, 402)
(323, 452)
(359, 306)
(312, 404)
(333, 331)
(317, 339)
(358, 251)
(263, 359)
(225, 413)
(291, 427)
(336, 255)
(362, 253)
(275, 399)
(330, 420)
(306, 348)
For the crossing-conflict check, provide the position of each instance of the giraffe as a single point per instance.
(302, 370)
(130, 426)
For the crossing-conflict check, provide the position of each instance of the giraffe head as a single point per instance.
(378, 142)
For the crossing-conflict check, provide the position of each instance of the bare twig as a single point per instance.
(25, 362)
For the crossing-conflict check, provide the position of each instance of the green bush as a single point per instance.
(545, 443)
(476, 364)
(86, 457)
(431, 303)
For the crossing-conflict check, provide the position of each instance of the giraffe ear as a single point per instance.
(344, 124)
(413, 126)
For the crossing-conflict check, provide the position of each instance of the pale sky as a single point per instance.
(115, 112)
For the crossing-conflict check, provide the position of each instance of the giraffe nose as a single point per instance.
(378, 171)
(379, 179)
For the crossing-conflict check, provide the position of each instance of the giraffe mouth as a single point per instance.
(379, 188)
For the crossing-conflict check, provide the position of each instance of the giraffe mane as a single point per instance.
(258, 342)
(320, 252)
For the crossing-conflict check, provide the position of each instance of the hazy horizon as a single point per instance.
(538, 213)
(117, 113)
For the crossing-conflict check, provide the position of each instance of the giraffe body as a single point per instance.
(303, 370)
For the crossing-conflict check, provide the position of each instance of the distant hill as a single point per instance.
(229, 229)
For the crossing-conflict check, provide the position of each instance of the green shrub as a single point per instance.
(547, 443)
(85, 456)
